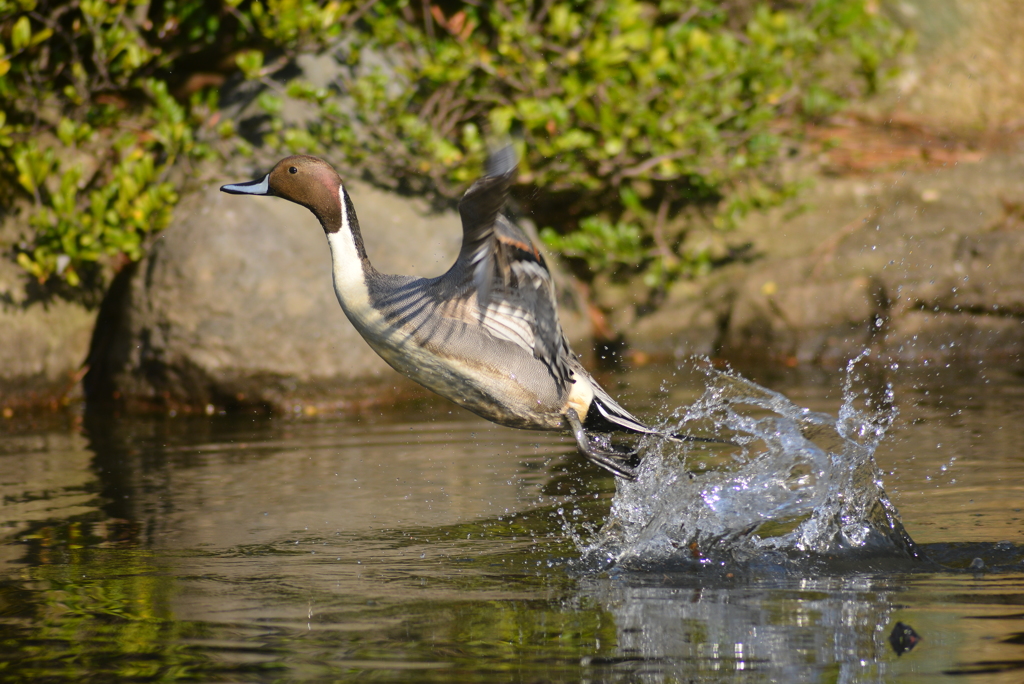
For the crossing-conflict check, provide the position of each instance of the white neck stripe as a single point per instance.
(349, 275)
(344, 210)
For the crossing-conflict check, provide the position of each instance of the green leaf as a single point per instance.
(250, 63)
(21, 34)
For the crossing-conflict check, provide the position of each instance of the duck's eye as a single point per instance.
(292, 169)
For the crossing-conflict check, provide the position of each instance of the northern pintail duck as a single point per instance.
(486, 333)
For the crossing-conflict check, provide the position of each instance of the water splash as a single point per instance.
(796, 485)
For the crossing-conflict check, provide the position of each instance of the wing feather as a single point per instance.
(515, 295)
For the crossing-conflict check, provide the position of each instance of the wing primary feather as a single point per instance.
(502, 161)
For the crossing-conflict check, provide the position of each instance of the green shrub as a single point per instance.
(86, 136)
(626, 113)
(90, 134)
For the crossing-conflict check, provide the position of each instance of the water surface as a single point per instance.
(424, 544)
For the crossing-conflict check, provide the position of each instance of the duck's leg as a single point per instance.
(616, 462)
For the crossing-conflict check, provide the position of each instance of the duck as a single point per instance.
(486, 333)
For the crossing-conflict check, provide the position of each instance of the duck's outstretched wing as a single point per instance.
(514, 291)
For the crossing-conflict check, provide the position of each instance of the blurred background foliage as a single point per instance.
(631, 117)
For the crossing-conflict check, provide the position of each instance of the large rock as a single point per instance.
(967, 70)
(918, 265)
(234, 306)
(964, 299)
(43, 343)
(42, 351)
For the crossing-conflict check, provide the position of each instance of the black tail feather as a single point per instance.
(605, 419)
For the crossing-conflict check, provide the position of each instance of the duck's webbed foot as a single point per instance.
(619, 463)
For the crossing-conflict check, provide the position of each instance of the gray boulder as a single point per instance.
(917, 265)
(42, 351)
(43, 344)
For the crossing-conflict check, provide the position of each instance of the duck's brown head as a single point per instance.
(305, 180)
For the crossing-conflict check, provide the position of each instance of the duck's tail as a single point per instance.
(606, 415)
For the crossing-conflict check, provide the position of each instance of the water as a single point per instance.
(797, 485)
(426, 545)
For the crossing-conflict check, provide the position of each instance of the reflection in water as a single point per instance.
(42, 477)
(429, 546)
(780, 630)
(250, 482)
